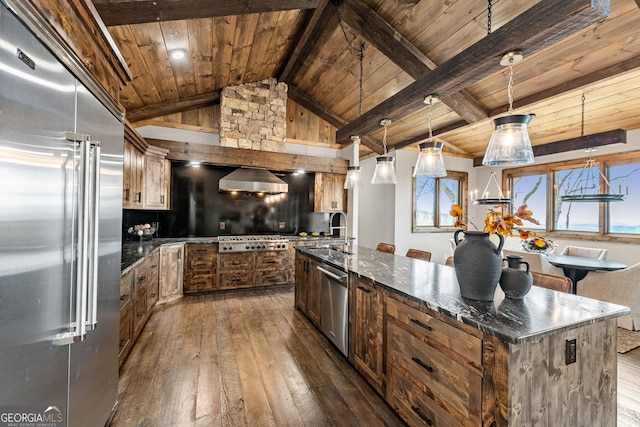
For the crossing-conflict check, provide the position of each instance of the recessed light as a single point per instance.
(177, 53)
(194, 164)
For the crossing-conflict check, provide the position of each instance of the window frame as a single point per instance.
(463, 179)
(603, 162)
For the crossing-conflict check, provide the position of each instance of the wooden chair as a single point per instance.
(549, 281)
(386, 247)
(449, 261)
(418, 254)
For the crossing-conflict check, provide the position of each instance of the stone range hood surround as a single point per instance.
(252, 180)
(254, 116)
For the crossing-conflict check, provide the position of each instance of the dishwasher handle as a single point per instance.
(331, 274)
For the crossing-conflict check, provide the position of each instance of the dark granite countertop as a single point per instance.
(540, 313)
(134, 251)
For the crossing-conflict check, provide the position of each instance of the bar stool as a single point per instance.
(418, 254)
(386, 247)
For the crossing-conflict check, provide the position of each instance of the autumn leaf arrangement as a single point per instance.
(505, 224)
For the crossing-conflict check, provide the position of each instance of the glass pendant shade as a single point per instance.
(510, 144)
(430, 161)
(353, 179)
(384, 172)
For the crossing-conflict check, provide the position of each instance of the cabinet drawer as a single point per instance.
(199, 282)
(265, 260)
(450, 384)
(153, 266)
(202, 264)
(275, 276)
(415, 406)
(202, 250)
(436, 332)
(235, 279)
(242, 261)
(126, 286)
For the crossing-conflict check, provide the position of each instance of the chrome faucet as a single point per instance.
(345, 227)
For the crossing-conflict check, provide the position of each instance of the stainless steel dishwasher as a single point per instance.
(334, 319)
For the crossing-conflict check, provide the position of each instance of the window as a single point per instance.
(541, 186)
(433, 198)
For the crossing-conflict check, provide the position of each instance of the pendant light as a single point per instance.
(486, 198)
(430, 162)
(587, 184)
(510, 144)
(384, 172)
(354, 171)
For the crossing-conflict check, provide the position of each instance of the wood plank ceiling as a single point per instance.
(411, 48)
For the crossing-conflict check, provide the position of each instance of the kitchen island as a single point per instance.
(549, 359)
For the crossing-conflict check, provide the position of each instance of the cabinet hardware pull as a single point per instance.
(422, 325)
(123, 297)
(162, 199)
(421, 415)
(422, 364)
(363, 289)
(142, 278)
(139, 200)
(123, 342)
(126, 192)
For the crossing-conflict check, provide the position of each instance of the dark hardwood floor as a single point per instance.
(241, 358)
(248, 358)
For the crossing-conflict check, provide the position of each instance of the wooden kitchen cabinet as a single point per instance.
(201, 266)
(270, 268)
(156, 179)
(235, 270)
(329, 192)
(434, 368)
(126, 316)
(171, 271)
(132, 172)
(308, 295)
(153, 280)
(366, 346)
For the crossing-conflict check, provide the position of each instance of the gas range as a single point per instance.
(252, 243)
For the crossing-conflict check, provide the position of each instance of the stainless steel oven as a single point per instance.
(335, 306)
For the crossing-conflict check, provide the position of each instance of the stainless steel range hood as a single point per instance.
(252, 180)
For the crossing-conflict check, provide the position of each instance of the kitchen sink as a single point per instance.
(325, 252)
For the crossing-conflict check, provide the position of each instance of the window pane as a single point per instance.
(581, 216)
(531, 190)
(425, 201)
(624, 215)
(449, 195)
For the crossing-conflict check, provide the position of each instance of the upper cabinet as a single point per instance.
(146, 173)
(329, 193)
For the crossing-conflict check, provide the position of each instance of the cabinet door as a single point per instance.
(154, 182)
(126, 333)
(367, 332)
(200, 268)
(314, 301)
(171, 271)
(329, 192)
(302, 283)
(153, 276)
(128, 165)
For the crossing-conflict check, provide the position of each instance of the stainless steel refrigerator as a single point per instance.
(60, 239)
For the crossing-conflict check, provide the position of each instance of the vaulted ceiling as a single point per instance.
(412, 48)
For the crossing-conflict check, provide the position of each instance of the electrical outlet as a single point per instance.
(223, 225)
(571, 351)
(281, 225)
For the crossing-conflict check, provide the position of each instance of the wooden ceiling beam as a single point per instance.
(404, 54)
(318, 30)
(170, 107)
(537, 28)
(617, 136)
(327, 115)
(128, 12)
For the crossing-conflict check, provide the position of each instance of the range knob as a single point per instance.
(247, 247)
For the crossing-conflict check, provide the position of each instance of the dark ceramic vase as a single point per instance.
(478, 264)
(514, 281)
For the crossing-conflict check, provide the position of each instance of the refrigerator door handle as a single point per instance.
(78, 328)
(92, 297)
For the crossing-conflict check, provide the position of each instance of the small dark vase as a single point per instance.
(514, 281)
(478, 264)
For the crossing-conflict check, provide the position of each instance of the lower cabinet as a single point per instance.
(235, 270)
(434, 369)
(308, 295)
(138, 296)
(200, 271)
(171, 271)
(366, 346)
